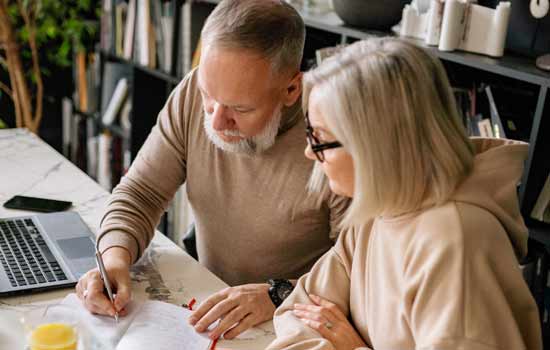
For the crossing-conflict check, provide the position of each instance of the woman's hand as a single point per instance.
(327, 319)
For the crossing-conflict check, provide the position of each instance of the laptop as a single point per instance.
(44, 251)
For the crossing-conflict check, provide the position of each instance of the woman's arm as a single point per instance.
(329, 279)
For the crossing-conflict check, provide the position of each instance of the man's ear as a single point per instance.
(293, 90)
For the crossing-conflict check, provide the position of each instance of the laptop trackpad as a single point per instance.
(77, 248)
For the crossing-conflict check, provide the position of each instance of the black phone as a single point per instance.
(37, 204)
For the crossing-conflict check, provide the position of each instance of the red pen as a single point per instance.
(190, 305)
(213, 344)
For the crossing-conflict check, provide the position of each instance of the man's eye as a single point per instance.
(242, 111)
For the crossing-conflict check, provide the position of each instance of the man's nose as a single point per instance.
(220, 119)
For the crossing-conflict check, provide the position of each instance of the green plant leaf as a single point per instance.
(2, 124)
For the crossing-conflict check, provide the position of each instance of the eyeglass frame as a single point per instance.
(316, 146)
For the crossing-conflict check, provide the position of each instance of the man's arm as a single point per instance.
(138, 202)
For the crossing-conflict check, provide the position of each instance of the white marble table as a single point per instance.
(28, 166)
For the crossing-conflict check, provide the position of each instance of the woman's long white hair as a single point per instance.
(391, 105)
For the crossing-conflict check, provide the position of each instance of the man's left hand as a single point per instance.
(238, 309)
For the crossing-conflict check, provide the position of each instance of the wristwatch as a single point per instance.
(280, 289)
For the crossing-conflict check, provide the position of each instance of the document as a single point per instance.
(148, 325)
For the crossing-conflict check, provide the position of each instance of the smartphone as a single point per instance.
(37, 204)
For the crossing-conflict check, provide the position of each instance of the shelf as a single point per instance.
(152, 71)
(513, 66)
(539, 231)
(113, 128)
(510, 65)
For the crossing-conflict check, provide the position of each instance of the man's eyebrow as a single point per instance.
(241, 106)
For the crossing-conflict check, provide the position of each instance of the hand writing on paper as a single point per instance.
(89, 288)
(327, 319)
(238, 309)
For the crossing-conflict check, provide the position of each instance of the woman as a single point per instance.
(428, 255)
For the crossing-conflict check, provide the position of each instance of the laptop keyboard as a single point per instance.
(25, 255)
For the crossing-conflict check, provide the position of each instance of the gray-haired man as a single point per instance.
(233, 130)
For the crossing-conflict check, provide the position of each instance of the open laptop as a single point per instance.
(44, 251)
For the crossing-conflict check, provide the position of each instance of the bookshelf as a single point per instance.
(150, 87)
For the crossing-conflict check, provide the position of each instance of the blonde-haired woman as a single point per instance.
(428, 258)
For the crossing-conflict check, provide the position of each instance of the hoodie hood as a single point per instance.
(492, 185)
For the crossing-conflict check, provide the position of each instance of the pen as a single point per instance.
(190, 305)
(103, 273)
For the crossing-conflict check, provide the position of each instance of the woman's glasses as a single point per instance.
(316, 146)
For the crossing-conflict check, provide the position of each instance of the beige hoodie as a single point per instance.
(446, 277)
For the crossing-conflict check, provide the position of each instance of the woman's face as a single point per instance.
(338, 164)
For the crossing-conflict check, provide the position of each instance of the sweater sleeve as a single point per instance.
(464, 289)
(330, 279)
(139, 200)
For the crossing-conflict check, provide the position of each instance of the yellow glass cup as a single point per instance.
(52, 327)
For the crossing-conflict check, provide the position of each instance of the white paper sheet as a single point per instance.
(148, 325)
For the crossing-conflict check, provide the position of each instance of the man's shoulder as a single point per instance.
(188, 104)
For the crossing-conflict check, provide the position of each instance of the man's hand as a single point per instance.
(237, 308)
(90, 286)
(327, 319)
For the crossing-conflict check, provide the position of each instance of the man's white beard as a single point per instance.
(251, 145)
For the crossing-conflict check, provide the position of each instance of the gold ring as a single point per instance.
(329, 325)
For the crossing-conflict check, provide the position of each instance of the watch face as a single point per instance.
(283, 292)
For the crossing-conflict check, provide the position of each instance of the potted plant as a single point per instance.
(36, 38)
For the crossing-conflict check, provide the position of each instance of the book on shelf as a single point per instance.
(86, 80)
(168, 21)
(141, 30)
(66, 122)
(116, 102)
(104, 160)
(541, 210)
(125, 115)
(498, 128)
(129, 31)
(121, 14)
(113, 72)
(82, 81)
(107, 38)
(184, 45)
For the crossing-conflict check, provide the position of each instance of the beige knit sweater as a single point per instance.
(443, 278)
(254, 218)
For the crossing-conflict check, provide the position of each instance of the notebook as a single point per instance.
(148, 325)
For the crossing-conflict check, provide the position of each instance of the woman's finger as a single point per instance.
(314, 316)
(319, 327)
(333, 308)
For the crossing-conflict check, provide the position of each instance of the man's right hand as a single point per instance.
(90, 286)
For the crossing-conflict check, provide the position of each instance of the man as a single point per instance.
(233, 130)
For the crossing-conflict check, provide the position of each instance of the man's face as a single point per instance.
(242, 99)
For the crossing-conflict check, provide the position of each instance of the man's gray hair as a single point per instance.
(272, 28)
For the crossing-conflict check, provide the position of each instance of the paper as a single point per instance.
(162, 326)
(148, 325)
